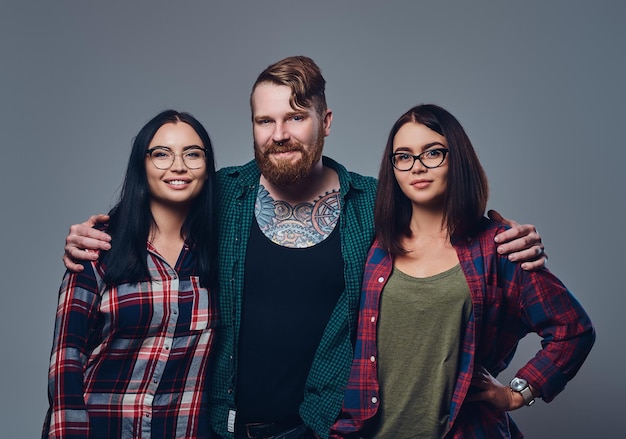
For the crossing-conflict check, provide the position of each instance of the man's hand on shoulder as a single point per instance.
(522, 243)
(84, 242)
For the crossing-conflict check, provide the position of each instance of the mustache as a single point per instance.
(273, 148)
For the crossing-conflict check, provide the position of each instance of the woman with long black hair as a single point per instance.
(134, 329)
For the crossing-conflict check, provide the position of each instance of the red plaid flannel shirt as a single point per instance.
(130, 361)
(508, 303)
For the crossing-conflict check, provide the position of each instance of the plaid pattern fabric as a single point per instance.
(130, 361)
(508, 303)
(329, 371)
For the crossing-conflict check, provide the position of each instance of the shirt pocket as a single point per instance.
(200, 311)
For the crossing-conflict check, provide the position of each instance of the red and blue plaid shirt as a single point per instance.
(130, 361)
(508, 303)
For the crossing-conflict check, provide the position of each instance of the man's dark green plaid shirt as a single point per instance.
(327, 378)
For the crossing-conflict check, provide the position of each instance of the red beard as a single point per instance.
(286, 172)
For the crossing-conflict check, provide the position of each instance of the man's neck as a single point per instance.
(303, 217)
(320, 180)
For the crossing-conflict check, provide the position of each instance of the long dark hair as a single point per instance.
(465, 198)
(131, 218)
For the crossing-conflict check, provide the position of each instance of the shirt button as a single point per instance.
(373, 359)
(381, 279)
(175, 312)
(373, 319)
(374, 400)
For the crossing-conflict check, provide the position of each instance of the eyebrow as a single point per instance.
(424, 147)
(302, 112)
(185, 148)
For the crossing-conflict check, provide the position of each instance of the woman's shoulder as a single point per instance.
(491, 227)
(484, 233)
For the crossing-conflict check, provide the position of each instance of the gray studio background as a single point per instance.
(537, 85)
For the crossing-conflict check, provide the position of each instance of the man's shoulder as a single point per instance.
(365, 180)
(236, 169)
(245, 174)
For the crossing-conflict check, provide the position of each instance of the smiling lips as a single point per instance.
(177, 182)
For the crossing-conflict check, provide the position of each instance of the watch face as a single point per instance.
(518, 384)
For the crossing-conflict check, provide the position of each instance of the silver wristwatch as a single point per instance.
(520, 385)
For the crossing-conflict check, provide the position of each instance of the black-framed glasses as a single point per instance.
(433, 158)
(162, 157)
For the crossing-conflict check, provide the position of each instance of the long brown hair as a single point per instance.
(465, 198)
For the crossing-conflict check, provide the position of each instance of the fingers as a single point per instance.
(71, 265)
(531, 259)
(522, 249)
(74, 254)
(492, 390)
(522, 243)
(83, 236)
(519, 231)
(95, 219)
(527, 249)
(84, 243)
(495, 215)
(482, 378)
(536, 264)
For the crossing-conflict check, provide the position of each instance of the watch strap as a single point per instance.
(527, 394)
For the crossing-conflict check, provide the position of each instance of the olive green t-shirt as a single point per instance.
(419, 342)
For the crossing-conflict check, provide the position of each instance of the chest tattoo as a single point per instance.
(299, 226)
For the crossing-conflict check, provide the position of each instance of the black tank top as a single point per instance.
(289, 295)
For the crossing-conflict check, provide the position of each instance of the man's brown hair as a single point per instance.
(303, 77)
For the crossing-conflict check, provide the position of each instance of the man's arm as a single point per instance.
(521, 242)
(84, 242)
